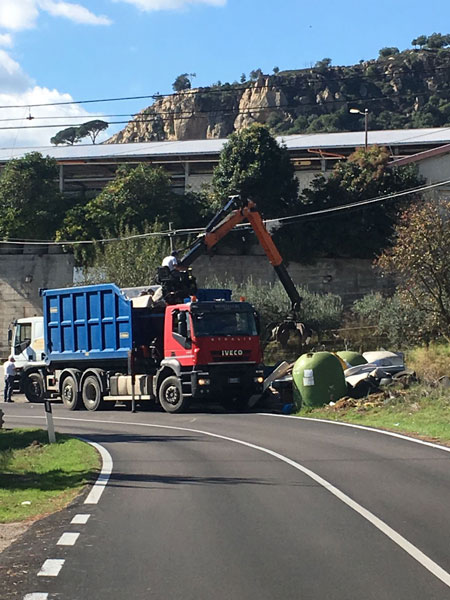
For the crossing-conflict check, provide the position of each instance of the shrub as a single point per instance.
(318, 311)
(430, 362)
(400, 323)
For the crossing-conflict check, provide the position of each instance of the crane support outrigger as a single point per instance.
(220, 226)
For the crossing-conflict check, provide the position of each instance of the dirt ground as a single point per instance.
(9, 532)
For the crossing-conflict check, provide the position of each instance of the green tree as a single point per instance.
(255, 74)
(323, 65)
(128, 262)
(253, 165)
(362, 232)
(389, 51)
(420, 41)
(437, 40)
(183, 82)
(92, 129)
(69, 136)
(419, 260)
(243, 78)
(136, 198)
(276, 70)
(31, 207)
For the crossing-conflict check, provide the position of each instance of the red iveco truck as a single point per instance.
(101, 346)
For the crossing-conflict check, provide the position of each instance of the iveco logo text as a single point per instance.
(232, 352)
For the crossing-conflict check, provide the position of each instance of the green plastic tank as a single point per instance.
(318, 379)
(352, 358)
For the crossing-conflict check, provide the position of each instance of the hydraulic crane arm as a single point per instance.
(224, 222)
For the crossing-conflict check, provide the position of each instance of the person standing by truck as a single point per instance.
(9, 369)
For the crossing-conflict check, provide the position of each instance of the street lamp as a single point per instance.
(356, 111)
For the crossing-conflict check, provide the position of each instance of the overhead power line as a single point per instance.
(198, 230)
(185, 115)
(31, 118)
(359, 204)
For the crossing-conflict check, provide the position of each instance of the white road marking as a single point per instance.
(80, 519)
(51, 567)
(365, 428)
(68, 539)
(107, 465)
(398, 539)
(36, 596)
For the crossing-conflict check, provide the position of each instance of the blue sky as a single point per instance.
(54, 50)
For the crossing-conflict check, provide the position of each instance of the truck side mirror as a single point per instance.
(182, 323)
(10, 335)
(257, 323)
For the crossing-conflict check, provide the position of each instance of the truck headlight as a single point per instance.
(203, 381)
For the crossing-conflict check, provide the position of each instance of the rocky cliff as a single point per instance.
(408, 89)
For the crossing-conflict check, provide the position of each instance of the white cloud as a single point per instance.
(74, 12)
(19, 90)
(12, 78)
(17, 15)
(32, 136)
(5, 40)
(153, 5)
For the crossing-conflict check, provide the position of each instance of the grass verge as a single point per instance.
(38, 478)
(420, 411)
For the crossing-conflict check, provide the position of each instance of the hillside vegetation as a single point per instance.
(408, 89)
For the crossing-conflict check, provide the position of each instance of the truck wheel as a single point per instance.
(70, 394)
(171, 397)
(92, 393)
(34, 387)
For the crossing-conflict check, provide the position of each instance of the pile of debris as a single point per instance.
(379, 377)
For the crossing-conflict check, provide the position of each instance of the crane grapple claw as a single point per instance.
(282, 332)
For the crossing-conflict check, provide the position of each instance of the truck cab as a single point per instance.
(213, 349)
(26, 344)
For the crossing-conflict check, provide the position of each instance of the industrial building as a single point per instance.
(190, 164)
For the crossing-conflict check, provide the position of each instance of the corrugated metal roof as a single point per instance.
(351, 139)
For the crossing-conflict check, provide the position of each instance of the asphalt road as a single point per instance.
(301, 510)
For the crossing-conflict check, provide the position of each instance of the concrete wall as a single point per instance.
(349, 278)
(196, 182)
(436, 168)
(21, 276)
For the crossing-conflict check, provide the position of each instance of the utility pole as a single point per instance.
(171, 238)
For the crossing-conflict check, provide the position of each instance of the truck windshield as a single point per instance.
(224, 323)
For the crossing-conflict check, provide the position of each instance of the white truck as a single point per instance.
(26, 343)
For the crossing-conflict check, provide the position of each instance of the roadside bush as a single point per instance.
(401, 324)
(319, 311)
(430, 362)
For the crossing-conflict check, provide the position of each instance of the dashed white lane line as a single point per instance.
(51, 567)
(80, 519)
(68, 539)
(36, 596)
